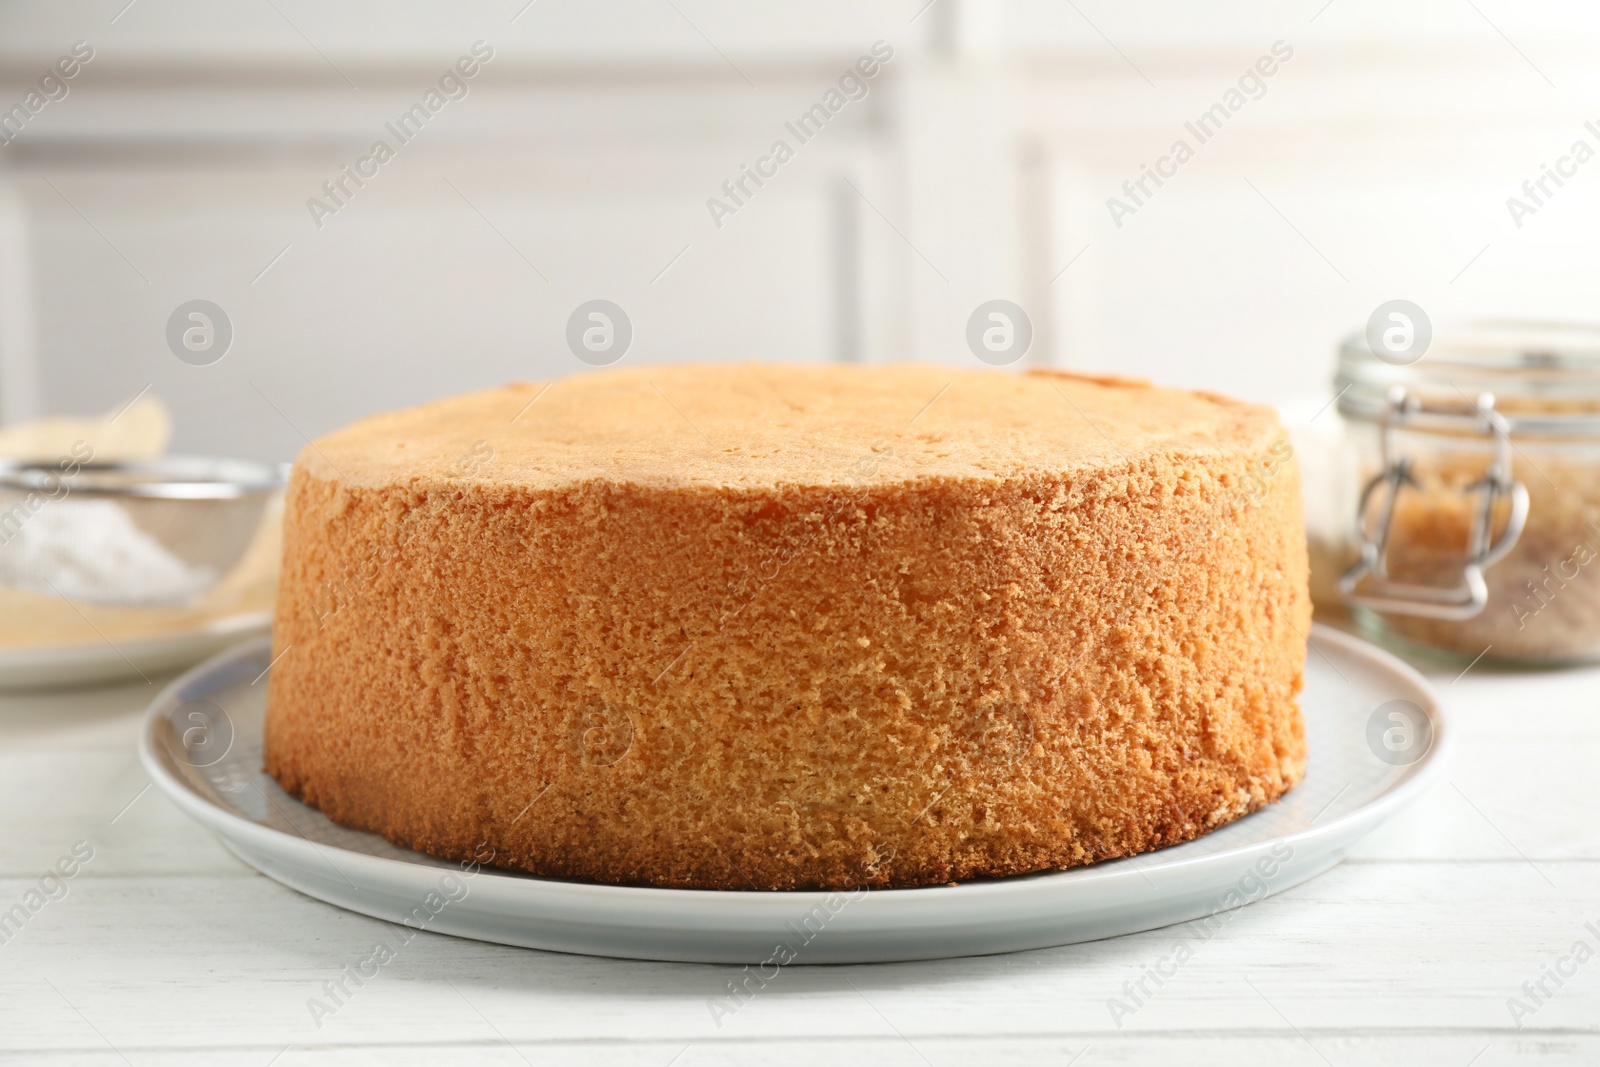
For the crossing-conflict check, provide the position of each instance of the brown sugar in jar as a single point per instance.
(1478, 518)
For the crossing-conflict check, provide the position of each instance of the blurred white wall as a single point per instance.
(1375, 164)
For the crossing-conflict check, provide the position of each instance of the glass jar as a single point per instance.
(1472, 485)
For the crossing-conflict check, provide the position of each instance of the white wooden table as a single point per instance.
(165, 949)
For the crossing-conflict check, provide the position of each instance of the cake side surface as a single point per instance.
(939, 660)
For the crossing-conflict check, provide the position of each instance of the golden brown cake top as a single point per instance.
(756, 425)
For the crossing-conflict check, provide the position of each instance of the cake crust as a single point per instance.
(786, 628)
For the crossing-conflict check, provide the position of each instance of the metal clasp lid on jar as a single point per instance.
(1368, 583)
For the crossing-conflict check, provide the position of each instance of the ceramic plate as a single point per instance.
(1373, 727)
(49, 666)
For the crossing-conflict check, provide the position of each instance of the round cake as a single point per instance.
(782, 627)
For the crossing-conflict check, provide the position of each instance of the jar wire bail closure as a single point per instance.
(1368, 583)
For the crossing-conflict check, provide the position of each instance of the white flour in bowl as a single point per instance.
(92, 550)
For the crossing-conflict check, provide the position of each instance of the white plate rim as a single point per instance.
(25, 667)
(223, 626)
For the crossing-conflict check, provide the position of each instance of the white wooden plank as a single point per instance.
(1390, 948)
(1202, 1050)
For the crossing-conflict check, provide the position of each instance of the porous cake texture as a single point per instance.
(783, 627)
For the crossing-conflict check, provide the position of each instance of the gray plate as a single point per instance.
(202, 745)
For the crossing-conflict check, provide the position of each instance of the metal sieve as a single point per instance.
(149, 533)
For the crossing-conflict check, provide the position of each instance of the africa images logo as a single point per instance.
(451, 85)
(852, 85)
(1251, 85)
